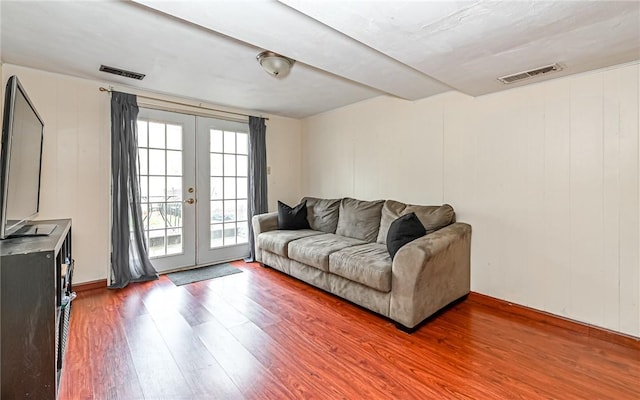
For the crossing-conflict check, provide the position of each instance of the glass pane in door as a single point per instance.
(160, 150)
(228, 178)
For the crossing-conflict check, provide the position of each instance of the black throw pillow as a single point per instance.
(292, 218)
(402, 231)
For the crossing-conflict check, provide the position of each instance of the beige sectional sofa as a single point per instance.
(345, 253)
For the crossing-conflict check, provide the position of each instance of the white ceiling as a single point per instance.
(346, 51)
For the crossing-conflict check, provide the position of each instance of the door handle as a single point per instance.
(189, 201)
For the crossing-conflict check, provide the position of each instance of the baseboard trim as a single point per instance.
(84, 286)
(559, 321)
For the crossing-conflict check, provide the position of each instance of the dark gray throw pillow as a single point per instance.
(292, 218)
(402, 231)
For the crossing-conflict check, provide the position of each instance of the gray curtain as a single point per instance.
(257, 174)
(129, 255)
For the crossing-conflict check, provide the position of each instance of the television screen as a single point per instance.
(21, 156)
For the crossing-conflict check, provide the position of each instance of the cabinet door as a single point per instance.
(28, 331)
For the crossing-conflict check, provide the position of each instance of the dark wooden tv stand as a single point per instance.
(35, 306)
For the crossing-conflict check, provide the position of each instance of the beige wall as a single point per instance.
(547, 174)
(284, 141)
(76, 161)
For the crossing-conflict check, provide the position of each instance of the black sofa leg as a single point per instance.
(407, 329)
(432, 316)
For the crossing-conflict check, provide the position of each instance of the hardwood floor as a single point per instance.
(263, 335)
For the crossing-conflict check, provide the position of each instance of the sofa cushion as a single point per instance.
(322, 214)
(315, 250)
(432, 217)
(278, 241)
(359, 219)
(368, 264)
(402, 231)
(292, 217)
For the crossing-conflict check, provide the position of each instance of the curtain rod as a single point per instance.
(103, 89)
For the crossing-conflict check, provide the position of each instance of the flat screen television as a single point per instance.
(20, 164)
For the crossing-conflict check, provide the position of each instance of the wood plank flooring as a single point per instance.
(263, 335)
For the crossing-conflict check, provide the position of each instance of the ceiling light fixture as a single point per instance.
(274, 63)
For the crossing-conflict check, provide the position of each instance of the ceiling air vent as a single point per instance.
(122, 72)
(529, 74)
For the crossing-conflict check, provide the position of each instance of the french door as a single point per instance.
(193, 184)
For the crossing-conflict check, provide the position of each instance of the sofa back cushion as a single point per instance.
(432, 217)
(359, 219)
(322, 214)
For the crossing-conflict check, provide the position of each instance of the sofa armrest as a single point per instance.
(429, 273)
(262, 223)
